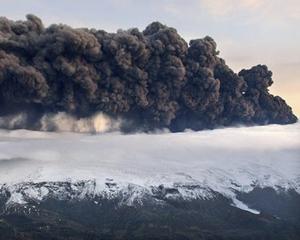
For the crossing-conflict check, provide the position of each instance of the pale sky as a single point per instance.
(248, 32)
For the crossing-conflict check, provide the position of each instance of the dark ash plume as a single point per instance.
(152, 79)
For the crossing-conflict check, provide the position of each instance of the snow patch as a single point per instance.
(237, 203)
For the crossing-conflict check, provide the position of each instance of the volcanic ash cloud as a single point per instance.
(150, 79)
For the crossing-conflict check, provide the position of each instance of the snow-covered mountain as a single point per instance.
(132, 169)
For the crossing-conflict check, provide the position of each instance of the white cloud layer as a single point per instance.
(269, 155)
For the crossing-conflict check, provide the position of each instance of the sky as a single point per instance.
(248, 32)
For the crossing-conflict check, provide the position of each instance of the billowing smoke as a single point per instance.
(151, 79)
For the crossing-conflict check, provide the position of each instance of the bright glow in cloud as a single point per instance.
(63, 122)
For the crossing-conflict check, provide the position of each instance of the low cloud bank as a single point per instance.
(267, 156)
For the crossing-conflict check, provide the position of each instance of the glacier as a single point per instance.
(140, 167)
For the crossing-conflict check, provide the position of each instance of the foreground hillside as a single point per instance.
(97, 218)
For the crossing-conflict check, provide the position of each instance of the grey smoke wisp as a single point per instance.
(151, 79)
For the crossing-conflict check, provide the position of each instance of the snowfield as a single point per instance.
(189, 165)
